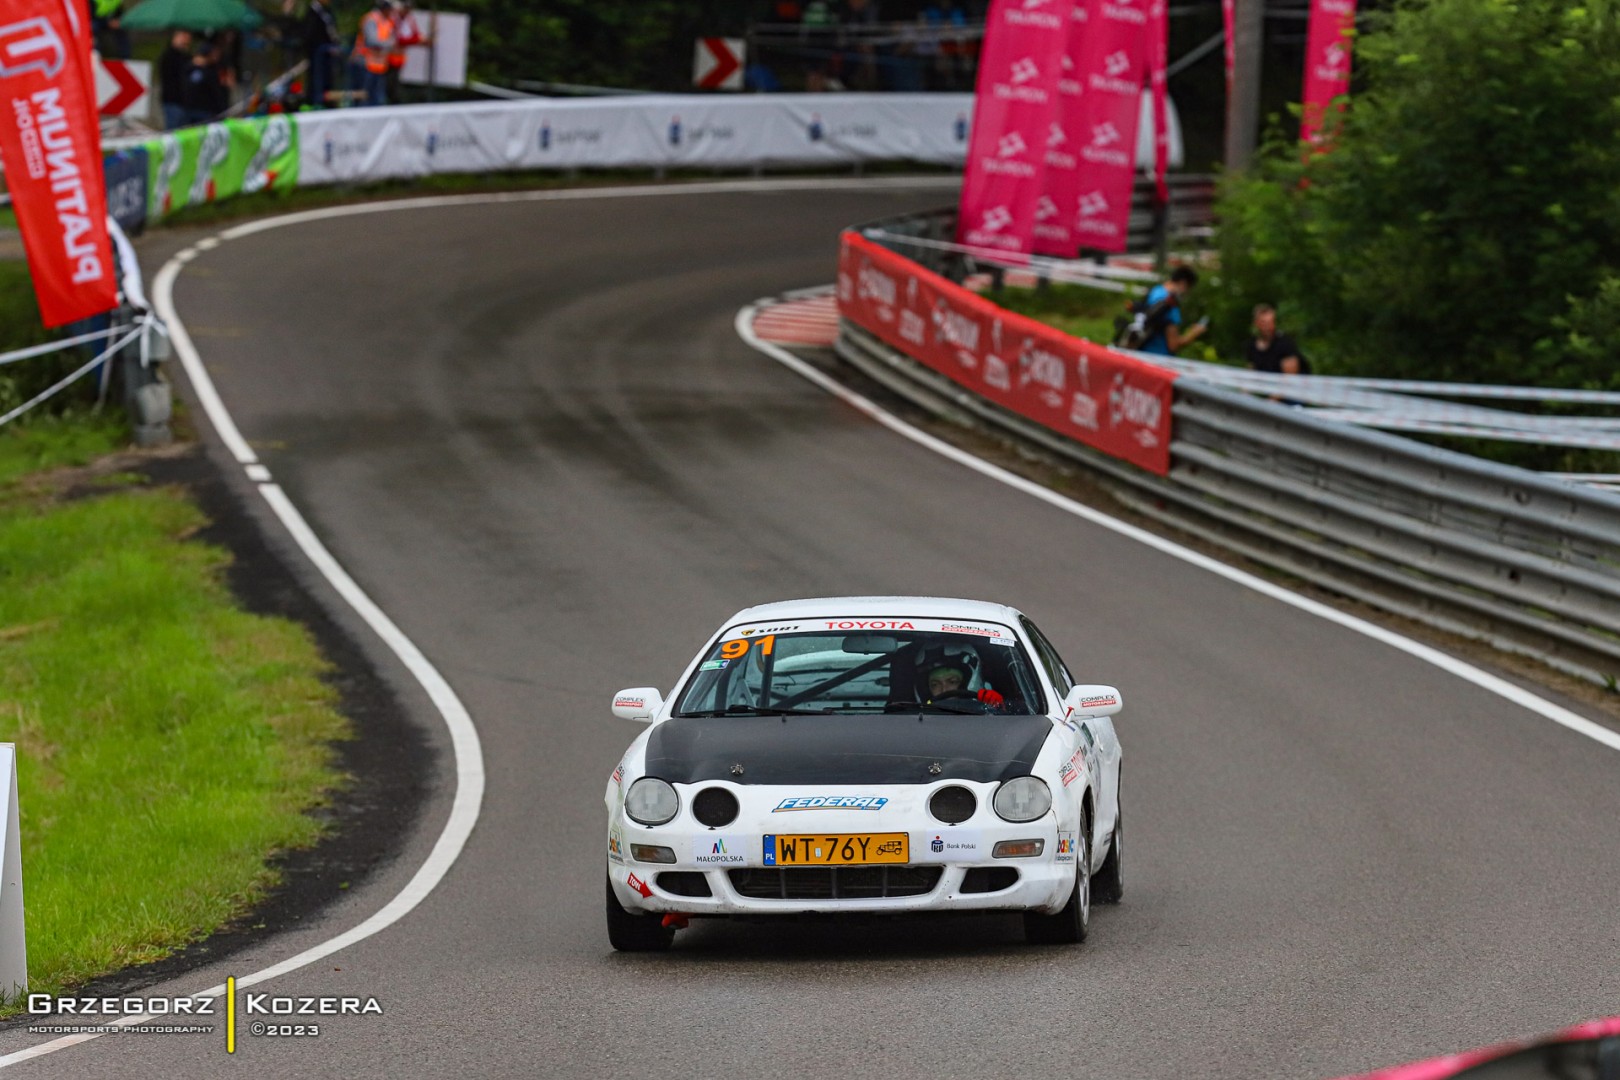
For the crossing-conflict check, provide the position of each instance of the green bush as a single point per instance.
(1465, 224)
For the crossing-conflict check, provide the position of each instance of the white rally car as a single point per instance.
(867, 755)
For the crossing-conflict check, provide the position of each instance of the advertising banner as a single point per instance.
(51, 147)
(1113, 63)
(1327, 62)
(1158, 78)
(125, 172)
(204, 164)
(1089, 393)
(1060, 187)
(1013, 112)
(651, 131)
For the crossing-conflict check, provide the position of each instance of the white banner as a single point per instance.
(652, 131)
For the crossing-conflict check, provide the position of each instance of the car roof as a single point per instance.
(893, 607)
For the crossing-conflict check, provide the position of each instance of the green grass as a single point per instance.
(1088, 313)
(1075, 309)
(168, 742)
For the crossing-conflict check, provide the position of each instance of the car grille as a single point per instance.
(835, 882)
(983, 879)
(684, 883)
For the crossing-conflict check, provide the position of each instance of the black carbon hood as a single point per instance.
(880, 749)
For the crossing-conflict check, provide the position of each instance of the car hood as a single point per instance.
(880, 749)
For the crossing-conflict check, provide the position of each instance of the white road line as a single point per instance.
(1450, 664)
(469, 756)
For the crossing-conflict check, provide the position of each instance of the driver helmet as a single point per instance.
(940, 661)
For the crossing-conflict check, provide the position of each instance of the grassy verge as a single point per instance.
(168, 743)
(1088, 313)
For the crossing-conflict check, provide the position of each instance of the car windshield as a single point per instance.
(864, 666)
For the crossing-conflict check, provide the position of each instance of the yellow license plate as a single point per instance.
(844, 849)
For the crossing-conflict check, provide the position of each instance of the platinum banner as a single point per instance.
(669, 131)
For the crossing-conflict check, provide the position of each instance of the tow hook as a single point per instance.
(675, 920)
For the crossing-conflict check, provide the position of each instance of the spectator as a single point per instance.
(173, 66)
(321, 41)
(1271, 351)
(1163, 309)
(407, 33)
(371, 48)
(107, 28)
(204, 97)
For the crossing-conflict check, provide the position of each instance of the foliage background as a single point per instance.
(1465, 224)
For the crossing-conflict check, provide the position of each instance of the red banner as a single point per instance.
(50, 143)
(1013, 109)
(1104, 399)
(1230, 52)
(1112, 61)
(1327, 62)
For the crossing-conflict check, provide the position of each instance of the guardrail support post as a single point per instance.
(13, 932)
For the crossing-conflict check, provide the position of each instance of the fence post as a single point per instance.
(147, 399)
(13, 932)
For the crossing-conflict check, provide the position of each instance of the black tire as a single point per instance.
(635, 933)
(1069, 926)
(1108, 884)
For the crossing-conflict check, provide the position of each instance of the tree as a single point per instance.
(1465, 224)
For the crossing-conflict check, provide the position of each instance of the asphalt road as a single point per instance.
(531, 433)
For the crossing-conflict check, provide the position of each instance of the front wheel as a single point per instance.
(1069, 926)
(628, 932)
(1108, 887)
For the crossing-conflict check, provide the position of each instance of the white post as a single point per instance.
(13, 936)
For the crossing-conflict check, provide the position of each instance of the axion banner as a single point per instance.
(50, 144)
(1112, 60)
(1013, 110)
(1327, 61)
(1104, 399)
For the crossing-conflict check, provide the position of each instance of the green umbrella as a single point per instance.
(192, 15)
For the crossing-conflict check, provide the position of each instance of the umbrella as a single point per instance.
(191, 15)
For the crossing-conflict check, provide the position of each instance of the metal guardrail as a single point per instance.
(1187, 216)
(1526, 563)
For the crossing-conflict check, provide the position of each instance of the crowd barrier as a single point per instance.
(1526, 563)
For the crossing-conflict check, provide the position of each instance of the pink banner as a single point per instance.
(1094, 395)
(1055, 232)
(1112, 62)
(1327, 62)
(1012, 114)
(1158, 64)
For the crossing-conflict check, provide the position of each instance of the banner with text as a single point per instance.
(1112, 62)
(1066, 147)
(50, 142)
(204, 164)
(1013, 112)
(646, 131)
(1327, 62)
(1094, 395)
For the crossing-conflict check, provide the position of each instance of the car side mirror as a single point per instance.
(1093, 700)
(638, 703)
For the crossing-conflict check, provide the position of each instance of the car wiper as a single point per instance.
(755, 710)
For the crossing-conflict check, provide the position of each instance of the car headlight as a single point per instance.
(1023, 798)
(652, 802)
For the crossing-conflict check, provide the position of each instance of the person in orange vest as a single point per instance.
(371, 48)
(407, 32)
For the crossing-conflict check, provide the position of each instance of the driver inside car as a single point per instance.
(949, 674)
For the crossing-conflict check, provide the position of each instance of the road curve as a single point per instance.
(530, 432)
